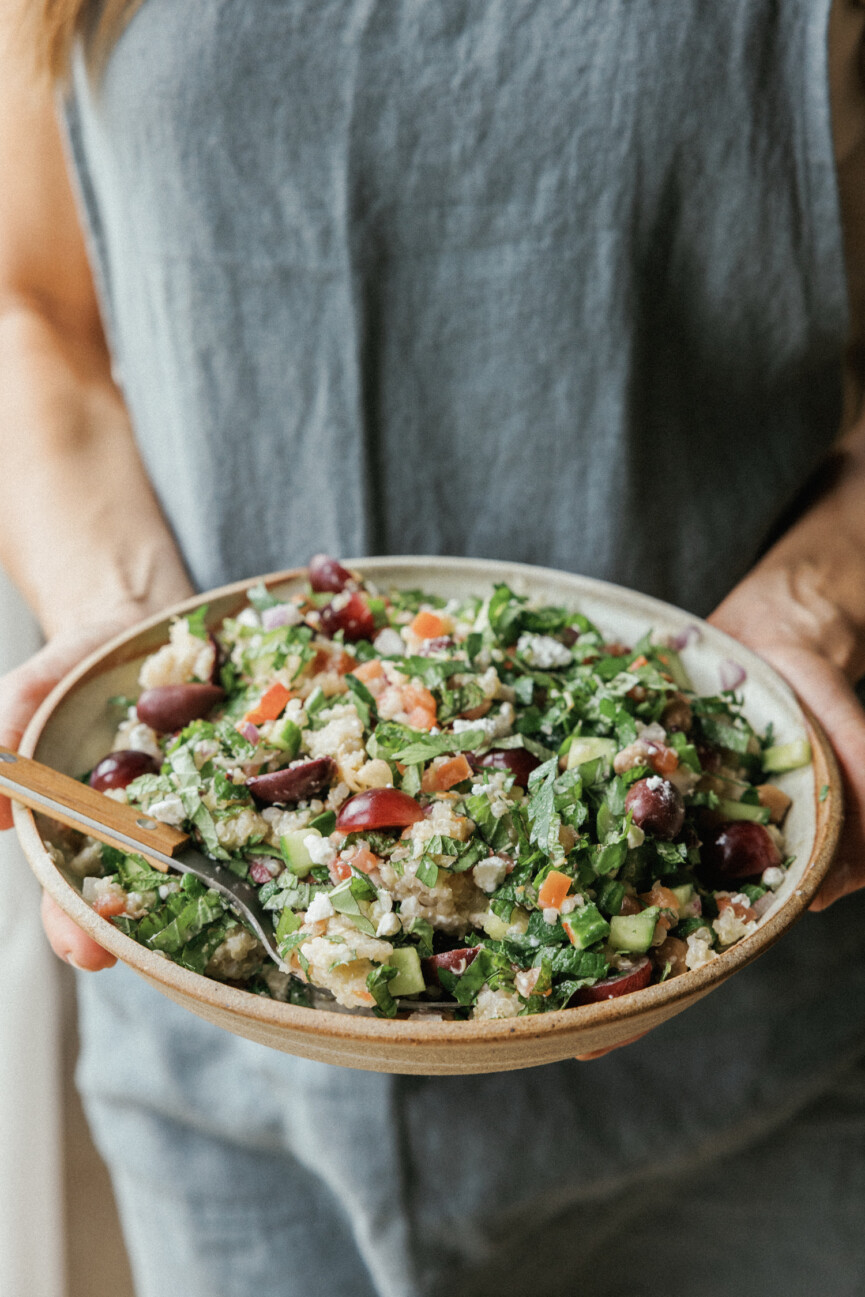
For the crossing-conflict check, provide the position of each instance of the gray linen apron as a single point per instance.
(550, 280)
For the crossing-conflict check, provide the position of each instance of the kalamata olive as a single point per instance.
(710, 757)
(170, 707)
(378, 808)
(609, 988)
(120, 768)
(325, 573)
(519, 761)
(740, 849)
(295, 783)
(455, 961)
(656, 807)
(351, 614)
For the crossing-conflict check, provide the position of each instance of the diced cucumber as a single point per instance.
(295, 853)
(585, 926)
(287, 740)
(675, 668)
(787, 756)
(634, 931)
(742, 811)
(684, 895)
(409, 978)
(589, 749)
(494, 927)
(519, 919)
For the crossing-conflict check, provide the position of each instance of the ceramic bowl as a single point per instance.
(74, 727)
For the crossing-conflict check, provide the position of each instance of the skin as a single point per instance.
(82, 536)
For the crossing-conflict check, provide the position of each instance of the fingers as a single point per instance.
(24, 689)
(70, 942)
(599, 1053)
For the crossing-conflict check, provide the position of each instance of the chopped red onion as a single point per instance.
(281, 614)
(249, 731)
(263, 868)
(732, 674)
(763, 904)
(690, 635)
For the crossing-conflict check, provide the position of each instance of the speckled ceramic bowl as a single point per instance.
(74, 728)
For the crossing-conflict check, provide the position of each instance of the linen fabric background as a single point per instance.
(560, 282)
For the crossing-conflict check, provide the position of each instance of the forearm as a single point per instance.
(81, 532)
(810, 586)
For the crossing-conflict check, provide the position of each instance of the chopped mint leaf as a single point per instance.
(197, 623)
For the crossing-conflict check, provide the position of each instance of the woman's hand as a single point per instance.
(805, 636)
(21, 692)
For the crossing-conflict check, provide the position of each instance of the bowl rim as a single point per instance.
(345, 1027)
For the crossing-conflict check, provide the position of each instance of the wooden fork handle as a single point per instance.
(81, 807)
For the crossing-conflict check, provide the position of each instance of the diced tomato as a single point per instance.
(339, 871)
(417, 696)
(641, 661)
(554, 889)
(364, 860)
(109, 905)
(438, 779)
(421, 719)
(371, 670)
(427, 625)
(270, 706)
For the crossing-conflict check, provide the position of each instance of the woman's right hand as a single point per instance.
(21, 692)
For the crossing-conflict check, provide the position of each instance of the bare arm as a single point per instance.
(81, 533)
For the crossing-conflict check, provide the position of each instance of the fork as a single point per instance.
(131, 830)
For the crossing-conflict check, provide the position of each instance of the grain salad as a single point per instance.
(483, 802)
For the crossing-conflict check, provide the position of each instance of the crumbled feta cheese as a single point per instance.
(496, 1004)
(168, 810)
(250, 618)
(320, 908)
(571, 903)
(551, 915)
(389, 643)
(494, 727)
(655, 782)
(772, 877)
(320, 850)
(654, 733)
(730, 927)
(185, 657)
(388, 926)
(543, 652)
(133, 735)
(490, 874)
(699, 949)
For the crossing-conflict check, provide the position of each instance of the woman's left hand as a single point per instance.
(809, 642)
